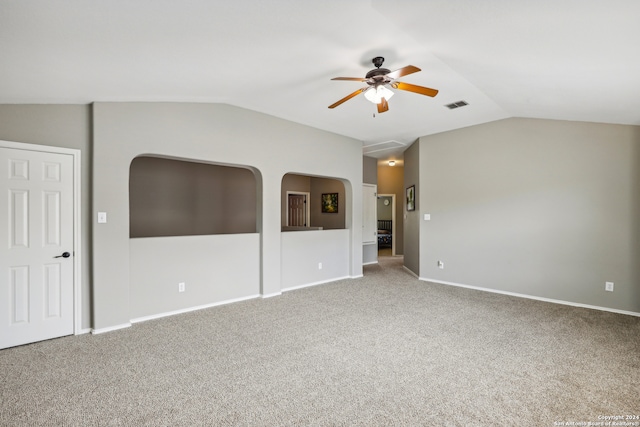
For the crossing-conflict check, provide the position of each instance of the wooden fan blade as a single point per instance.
(404, 71)
(348, 97)
(383, 106)
(417, 89)
(352, 79)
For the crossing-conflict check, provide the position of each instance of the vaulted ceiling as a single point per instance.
(566, 60)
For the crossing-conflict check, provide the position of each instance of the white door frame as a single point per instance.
(393, 221)
(77, 249)
(307, 211)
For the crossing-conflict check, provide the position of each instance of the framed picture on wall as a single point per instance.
(329, 203)
(411, 198)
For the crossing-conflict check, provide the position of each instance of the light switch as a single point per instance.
(102, 217)
(427, 217)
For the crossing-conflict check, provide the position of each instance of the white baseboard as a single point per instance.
(533, 297)
(369, 263)
(412, 273)
(84, 331)
(95, 331)
(189, 309)
(356, 277)
(274, 294)
(306, 285)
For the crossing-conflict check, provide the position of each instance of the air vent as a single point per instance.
(456, 105)
(381, 146)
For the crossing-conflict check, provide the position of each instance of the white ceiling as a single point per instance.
(568, 59)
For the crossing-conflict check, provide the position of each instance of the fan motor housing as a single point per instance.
(377, 72)
(377, 77)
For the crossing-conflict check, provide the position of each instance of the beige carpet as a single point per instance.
(384, 350)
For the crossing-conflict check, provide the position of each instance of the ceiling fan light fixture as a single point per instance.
(379, 81)
(375, 94)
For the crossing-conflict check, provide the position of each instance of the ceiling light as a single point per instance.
(375, 94)
(392, 162)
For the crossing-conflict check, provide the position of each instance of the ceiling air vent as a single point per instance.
(456, 105)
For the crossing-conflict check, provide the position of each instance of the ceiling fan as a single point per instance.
(378, 80)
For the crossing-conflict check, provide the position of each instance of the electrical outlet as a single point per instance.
(319, 266)
(181, 287)
(608, 286)
(440, 264)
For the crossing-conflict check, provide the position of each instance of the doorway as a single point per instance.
(39, 242)
(298, 212)
(386, 216)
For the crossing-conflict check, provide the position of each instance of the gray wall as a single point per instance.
(67, 126)
(412, 238)
(201, 132)
(385, 211)
(304, 251)
(544, 208)
(391, 181)
(215, 269)
(328, 221)
(369, 170)
(212, 133)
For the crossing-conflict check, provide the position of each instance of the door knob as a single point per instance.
(64, 255)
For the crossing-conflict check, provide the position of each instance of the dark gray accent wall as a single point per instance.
(328, 221)
(412, 239)
(170, 197)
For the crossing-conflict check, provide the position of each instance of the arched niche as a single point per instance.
(324, 203)
(173, 197)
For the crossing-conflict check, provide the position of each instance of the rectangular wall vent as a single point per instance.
(456, 105)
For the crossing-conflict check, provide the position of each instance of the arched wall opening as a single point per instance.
(320, 250)
(194, 235)
(209, 133)
(324, 203)
(170, 197)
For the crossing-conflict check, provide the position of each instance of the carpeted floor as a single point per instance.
(383, 350)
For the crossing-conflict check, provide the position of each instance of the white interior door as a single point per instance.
(297, 209)
(369, 214)
(36, 246)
